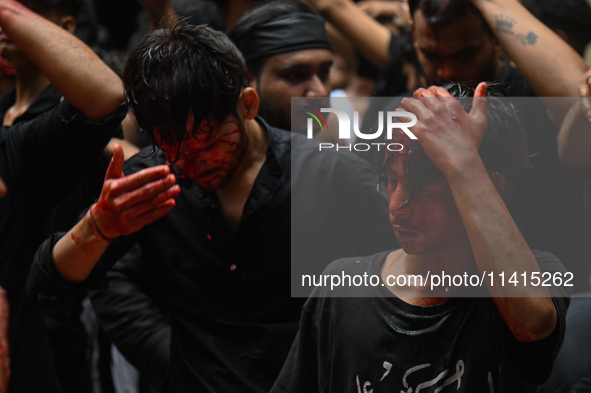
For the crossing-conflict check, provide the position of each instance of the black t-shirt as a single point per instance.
(378, 343)
(40, 161)
(228, 293)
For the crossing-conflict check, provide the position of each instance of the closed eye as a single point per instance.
(386, 179)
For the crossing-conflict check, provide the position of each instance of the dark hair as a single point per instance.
(187, 71)
(503, 148)
(441, 12)
(258, 15)
(571, 16)
(60, 7)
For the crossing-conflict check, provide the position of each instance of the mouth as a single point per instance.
(402, 231)
(208, 176)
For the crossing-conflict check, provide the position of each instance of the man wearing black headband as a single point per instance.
(287, 53)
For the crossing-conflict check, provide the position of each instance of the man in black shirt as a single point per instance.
(221, 258)
(40, 161)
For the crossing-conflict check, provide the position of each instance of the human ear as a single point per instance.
(68, 23)
(248, 105)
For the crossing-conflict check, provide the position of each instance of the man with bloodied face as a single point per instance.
(409, 332)
(220, 260)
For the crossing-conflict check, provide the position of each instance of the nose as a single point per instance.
(316, 87)
(399, 200)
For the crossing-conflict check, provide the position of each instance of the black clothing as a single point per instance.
(132, 312)
(227, 294)
(66, 334)
(45, 101)
(572, 368)
(380, 343)
(40, 161)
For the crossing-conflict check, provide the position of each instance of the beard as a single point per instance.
(274, 114)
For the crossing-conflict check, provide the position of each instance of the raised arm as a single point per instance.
(574, 138)
(549, 64)
(451, 138)
(368, 36)
(126, 204)
(75, 70)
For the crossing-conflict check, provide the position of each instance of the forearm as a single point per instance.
(574, 140)
(76, 253)
(498, 246)
(368, 36)
(538, 52)
(77, 72)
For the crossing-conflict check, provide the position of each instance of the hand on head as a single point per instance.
(448, 134)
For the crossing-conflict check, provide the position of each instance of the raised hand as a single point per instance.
(447, 134)
(128, 203)
(397, 10)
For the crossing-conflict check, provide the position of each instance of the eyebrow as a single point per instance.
(304, 66)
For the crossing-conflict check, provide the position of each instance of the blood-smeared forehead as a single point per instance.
(409, 148)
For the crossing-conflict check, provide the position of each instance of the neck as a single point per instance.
(256, 151)
(233, 196)
(30, 82)
(451, 262)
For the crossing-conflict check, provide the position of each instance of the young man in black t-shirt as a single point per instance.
(395, 334)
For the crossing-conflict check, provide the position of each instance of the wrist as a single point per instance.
(460, 166)
(91, 221)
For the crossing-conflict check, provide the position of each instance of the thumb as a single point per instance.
(479, 106)
(115, 169)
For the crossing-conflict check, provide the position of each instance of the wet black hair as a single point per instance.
(187, 71)
(503, 149)
(439, 13)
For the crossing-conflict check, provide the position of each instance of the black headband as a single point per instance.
(287, 33)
